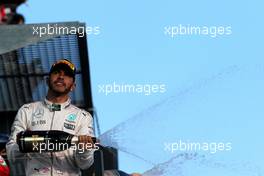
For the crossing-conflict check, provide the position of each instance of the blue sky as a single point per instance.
(214, 85)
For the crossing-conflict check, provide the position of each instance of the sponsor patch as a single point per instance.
(38, 122)
(69, 126)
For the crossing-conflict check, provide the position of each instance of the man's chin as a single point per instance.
(60, 91)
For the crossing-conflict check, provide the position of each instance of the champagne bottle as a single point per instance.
(46, 141)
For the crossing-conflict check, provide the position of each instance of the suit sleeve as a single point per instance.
(84, 158)
(15, 157)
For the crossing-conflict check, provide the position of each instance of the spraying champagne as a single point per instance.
(53, 140)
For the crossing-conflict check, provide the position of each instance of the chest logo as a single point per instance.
(38, 113)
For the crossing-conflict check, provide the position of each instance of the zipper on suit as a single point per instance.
(51, 125)
(51, 154)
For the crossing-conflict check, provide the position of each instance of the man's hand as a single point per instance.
(85, 139)
(89, 142)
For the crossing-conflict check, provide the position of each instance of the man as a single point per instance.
(54, 113)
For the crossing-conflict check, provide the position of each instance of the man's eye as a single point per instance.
(55, 72)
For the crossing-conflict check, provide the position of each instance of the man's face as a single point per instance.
(60, 82)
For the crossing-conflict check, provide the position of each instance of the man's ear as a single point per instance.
(73, 87)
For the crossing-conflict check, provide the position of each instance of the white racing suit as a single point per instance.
(42, 116)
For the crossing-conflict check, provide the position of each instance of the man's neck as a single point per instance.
(59, 99)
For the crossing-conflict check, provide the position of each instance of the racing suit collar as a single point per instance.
(57, 106)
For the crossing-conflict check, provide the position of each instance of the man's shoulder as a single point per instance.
(31, 105)
(86, 113)
(82, 111)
